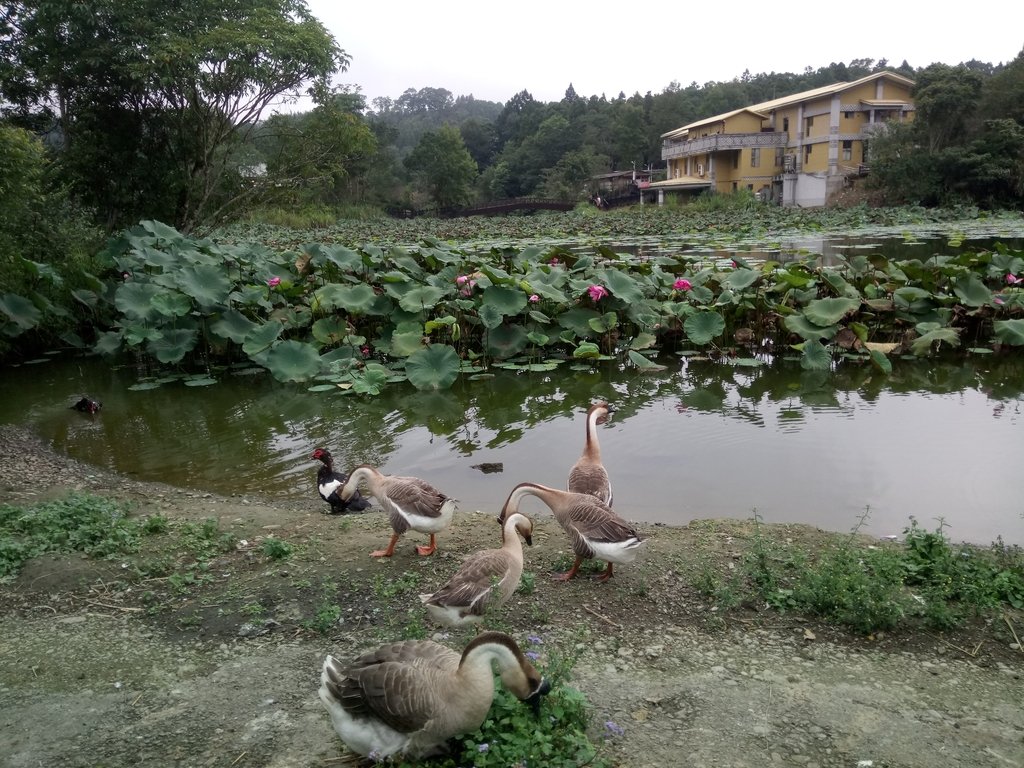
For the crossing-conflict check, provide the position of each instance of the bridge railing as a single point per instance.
(490, 208)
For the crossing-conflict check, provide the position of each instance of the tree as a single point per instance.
(445, 167)
(177, 86)
(944, 99)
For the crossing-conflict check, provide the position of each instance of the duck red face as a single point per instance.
(321, 453)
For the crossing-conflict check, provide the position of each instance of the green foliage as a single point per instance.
(276, 549)
(445, 166)
(93, 525)
(870, 588)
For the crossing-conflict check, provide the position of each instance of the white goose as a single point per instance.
(588, 474)
(486, 580)
(410, 697)
(595, 532)
(410, 503)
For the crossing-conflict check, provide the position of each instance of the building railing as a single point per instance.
(723, 141)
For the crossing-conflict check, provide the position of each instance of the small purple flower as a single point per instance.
(274, 282)
(682, 284)
(532, 655)
(597, 292)
(535, 640)
(612, 729)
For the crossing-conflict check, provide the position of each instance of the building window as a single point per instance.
(848, 115)
(785, 124)
(734, 186)
(736, 159)
(755, 157)
(807, 152)
(779, 153)
(750, 187)
(847, 150)
(808, 123)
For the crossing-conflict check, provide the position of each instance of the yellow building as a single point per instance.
(796, 151)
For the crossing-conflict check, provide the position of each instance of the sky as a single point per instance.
(494, 50)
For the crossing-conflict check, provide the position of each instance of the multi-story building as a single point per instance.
(798, 150)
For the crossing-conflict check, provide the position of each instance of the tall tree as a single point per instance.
(180, 85)
(445, 167)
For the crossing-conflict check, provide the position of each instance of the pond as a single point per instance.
(699, 440)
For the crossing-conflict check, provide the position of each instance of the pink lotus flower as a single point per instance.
(734, 264)
(1013, 280)
(534, 298)
(998, 300)
(274, 282)
(682, 284)
(553, 261)
(597, 292)
(461, 279)
(365, 351)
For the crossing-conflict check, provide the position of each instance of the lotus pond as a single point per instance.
(809, 373)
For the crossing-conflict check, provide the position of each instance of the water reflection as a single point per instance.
(701, 439)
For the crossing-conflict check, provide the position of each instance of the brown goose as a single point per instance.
(588, 475)
(409, 502)
(486, 580)
(595, 532)
(411, 697)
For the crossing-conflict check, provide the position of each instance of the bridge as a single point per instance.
(490, 208)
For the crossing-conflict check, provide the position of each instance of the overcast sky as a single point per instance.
(494, 50)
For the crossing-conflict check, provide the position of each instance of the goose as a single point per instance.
(87, 405)
(486, 580)
(409, 502)
(594, 530)
(329, 481)
(410, 697)
(588, 474)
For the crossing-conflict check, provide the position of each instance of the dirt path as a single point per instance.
(90, 677)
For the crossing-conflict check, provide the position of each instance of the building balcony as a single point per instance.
(720, 142)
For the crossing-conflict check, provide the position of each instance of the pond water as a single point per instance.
(699, 440)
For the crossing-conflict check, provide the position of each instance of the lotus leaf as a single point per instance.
(161, 231)
(329, 330)
(643, 363)
(507, 301)
(825, 312)
(355, 299)
(912, 299)
(1009, 331)
(393, 276)
(135, 300)
(880, 361)
(232, 325)
(923, 344)
(604, 323)
(623, 286)
(972, 292)
(740, 279)
(816, 356)
(539, 339)
(204, 381)
(643, 341)
(505, 341)
(261, 337)
(587, 350)
(173, 344)
(172, 304)
(207, 284)
(417, 298)
(702, 327)
(343, 258)
(136, 334)
(108, 343)
(433, 367)
(540, 317)
(578, 320)
(405, 342)
(701, 294)
(86, 297)
(490, 317)
(20, 311)
(142, 386)
(293, 361)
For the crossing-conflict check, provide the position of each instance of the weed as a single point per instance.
(255, 610)
(326, 618)
(276, 549)
(95, 525)
(155, 524)
(386, 589)
(527, 583)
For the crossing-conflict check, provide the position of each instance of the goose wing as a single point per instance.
(473, 584)
(397, 684)
(415, 497)
(587, 520)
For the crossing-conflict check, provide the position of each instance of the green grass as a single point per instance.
(927, 579)
(93, 525)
